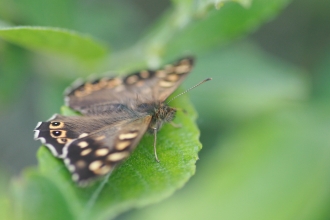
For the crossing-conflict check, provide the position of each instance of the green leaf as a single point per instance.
(221, 26)
(192, 28)
(55, 13)
(322, 78)
(38, 198)
(5, 205)
(13, 73)
(206, 4)
(273, 167)
(139, 181)
(257, 85)
(55, 40)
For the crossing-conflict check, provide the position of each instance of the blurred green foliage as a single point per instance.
(264, 119)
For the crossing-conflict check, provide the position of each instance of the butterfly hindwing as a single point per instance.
(54, 133)
(59, 130)
(146, 85)
(96, 154)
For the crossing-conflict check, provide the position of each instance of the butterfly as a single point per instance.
(116, 113)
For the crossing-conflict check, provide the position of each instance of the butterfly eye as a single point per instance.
(55, 123)
(57, 133)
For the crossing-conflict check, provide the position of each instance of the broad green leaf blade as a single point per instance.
(139, 181)
(322, 78)
(204, 5)
(247, 82)
(55, 40)
(221, 26)
(274, 167)
(38, 198)
(13, 73)
(5, 203)
(185, 29)
(54, 13)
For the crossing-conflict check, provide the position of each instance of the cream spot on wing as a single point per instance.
(75, 177)
(81, 93)
(182, 69)
(122, 145)
(132, 79)
(161, 73)
(100, 138)
(83, 135)
(71, 168)
(96, 86)
(144, 74)
(102, 170)
(165, 84)
(89, 87)
(128, 135)
(95, 165)
(82, 144)
(80, 164)
(172, 78)
(85, 152)
(67, 161)
(101, 152)
(114, 82)
(102, 83)
(117, 156)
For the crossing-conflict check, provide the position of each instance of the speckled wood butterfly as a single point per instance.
(116, 113)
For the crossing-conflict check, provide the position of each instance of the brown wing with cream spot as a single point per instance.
(59, 130)
(143, 86)
(96, 154)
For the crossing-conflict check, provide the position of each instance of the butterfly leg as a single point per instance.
(155, 140)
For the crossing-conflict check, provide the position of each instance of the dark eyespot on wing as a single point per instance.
(54, 134)
(97, 154)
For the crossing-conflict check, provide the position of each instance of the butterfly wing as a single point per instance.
(59, 130)
(113, 124)
(96, 154)
(143, 86)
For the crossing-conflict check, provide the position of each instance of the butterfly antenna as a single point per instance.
(205, 80)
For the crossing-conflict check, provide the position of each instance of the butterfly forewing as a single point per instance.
(97, 153)
(144, 86)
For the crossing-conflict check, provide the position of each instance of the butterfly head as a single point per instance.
(162, 113)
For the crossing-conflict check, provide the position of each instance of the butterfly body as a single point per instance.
(116, 113)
